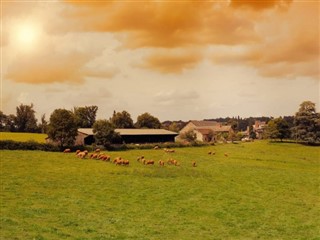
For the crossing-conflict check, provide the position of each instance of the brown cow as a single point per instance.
(194, 164)
(125, 162)
(161, 163)
(82, 154)
(149, 162)
(67, 150)
(106, 158)
(117, 159)
(170, 161)
(119, 162)
(176, 163)
(169, 150)
(94, 156)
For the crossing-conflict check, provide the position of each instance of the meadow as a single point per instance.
(261, 190)
(23, 137)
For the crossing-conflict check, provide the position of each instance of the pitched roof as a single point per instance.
(87, 131)
(204, 131)
(143, 131)
(218, 128)
(132, 131)
(204, 123)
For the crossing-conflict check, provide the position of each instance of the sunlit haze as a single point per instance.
(175, 60)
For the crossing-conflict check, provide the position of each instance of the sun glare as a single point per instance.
(26, 35)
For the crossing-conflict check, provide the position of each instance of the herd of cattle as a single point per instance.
(120, 161)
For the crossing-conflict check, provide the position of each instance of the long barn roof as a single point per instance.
(132, 131)
(204, 123)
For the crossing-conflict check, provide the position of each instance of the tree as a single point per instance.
(104, 132)
(43, 125)
(122, 120)
(25, 118)
(278, 128)
(10, 123)
(272, 131)
(307, 123)
(85, 116)
(146, 120)
(174, 127)
(3, 119)
(190, 136)
(283, 129)
(234, 124)
(252, 134)
(62, 127)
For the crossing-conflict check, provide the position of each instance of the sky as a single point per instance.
(177, 60)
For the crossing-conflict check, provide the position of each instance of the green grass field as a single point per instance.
(23, 137)
(260, 191)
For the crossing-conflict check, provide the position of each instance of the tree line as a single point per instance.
(83, 117)
(63, 124)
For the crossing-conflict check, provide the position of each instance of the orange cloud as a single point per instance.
(258, 5)
(48, 67)
(269, 38)
(163, 24)
(51, 66)
(173, 61)
(290, 47)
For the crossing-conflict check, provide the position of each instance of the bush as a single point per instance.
(30, 145)
(119, 147)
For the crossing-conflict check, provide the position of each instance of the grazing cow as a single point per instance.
(94, 156)
(194, 164)
(117, 159)
(106, 158)
(67, 150)
(161, 163)
(211, 153)
(97, 150)
(170, 161)
(226, 154)
(77, 151)
(82, 154)
(176, 163)
(119, 162)
(125, 162)
(149, 162)
(169, 150)
(140, 159)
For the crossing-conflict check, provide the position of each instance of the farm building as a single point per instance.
(86, 136)
(259, 128)
(206, 130)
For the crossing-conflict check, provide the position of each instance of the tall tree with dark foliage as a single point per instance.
(307, 123)
(62, 127)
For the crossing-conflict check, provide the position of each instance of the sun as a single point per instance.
(26, 35)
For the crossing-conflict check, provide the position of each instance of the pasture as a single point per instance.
(23, 137)
(261, 190)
